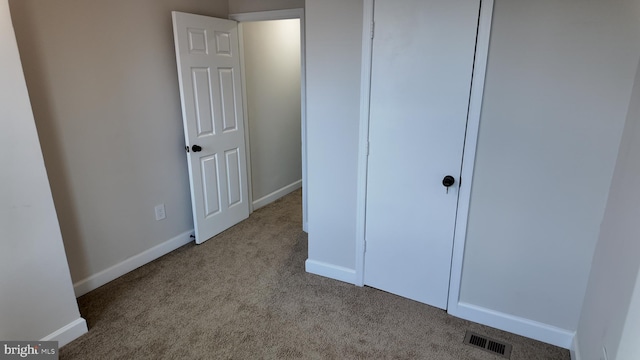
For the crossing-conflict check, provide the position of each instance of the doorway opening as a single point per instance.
(272, 61)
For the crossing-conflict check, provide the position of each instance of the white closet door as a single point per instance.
(423, 53)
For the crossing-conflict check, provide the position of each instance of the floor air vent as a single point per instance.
(486, 344)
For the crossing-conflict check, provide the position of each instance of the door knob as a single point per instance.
(448, 181)
(196, 148)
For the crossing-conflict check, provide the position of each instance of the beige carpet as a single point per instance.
(245, 295)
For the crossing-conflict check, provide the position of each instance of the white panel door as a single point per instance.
(423, 53)
(211, 94)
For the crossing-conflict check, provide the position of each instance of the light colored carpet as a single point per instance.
(244, 294)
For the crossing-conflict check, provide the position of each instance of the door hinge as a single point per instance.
(373, 29)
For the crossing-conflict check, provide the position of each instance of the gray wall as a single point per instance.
(558, 83)
(103, 82)
(616, 263)
(333, 28)
(242, 6)
(272, 73)
(629, 347)
(37, 297)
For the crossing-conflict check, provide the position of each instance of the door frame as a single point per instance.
(468, 156)
(297, 13)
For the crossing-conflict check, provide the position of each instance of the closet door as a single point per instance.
(423, 54)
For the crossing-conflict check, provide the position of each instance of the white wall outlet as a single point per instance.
(160, 214)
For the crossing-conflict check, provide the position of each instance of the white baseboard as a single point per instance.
(68, 333)
(95, 281)
(514, 324)
(331, 271)
(267, 199)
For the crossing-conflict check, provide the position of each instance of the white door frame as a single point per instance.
(266, 16)
(469, 153)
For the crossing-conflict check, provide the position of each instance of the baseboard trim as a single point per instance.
(95, 281)
(267, 199)
(331, 271)
(514, 324)
(68, 333)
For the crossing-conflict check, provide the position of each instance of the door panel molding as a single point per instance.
(207, 57)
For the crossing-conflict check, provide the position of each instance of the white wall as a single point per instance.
(272, 73)
(242, 6)
(333, 38)
(616, 263)
(103, 82)
(37, 296)
(558, 83)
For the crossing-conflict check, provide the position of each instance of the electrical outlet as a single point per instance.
(160, 214)
(604, 354)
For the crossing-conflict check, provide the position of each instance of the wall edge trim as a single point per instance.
(514, 324)
(470, 146)
(68, 333)
(268, 15)
(96, 280)
(330, 271)
(575, 349)
(269, 198)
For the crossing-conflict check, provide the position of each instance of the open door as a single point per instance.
(207, 55)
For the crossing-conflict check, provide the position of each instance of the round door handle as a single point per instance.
(448, 180)
(196, 148)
